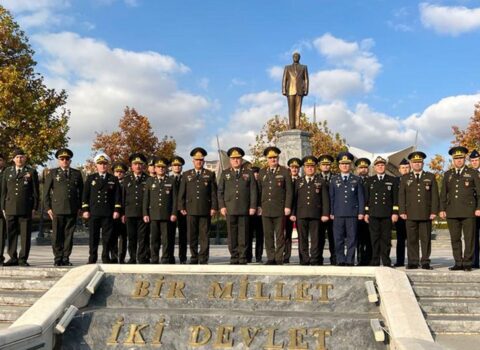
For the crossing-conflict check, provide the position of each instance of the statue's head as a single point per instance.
(296, 57)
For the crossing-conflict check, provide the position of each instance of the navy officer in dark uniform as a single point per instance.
(474, 159)
(181, 222)
(364, 245)
(400, 225)
(118, 248)
(294, 165)
(326, 228)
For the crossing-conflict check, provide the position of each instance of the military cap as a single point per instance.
(198, 153)
(345, 158)
(271, 152)
(119, 166)
(458, 152)
(63, 152)
(417, 156)
(161, 162)
(235, 152)
(294, 162)
(325, 159)
(18, 152)
(404, 162)
(309, 160)
(255, 169)
(474, 154)
(177, 160)
(137, 158)
(101, 158)
(151, 161)
(362, 163)
(379, 160)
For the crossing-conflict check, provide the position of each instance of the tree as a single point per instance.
(134, 135)
(322, 139)
(470, 137)
(437, 167)
(32, 116)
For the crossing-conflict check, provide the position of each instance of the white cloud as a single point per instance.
(452, 20)
(237, 82)
(334, 84)
(101, 81)
(39, 13)
(275, 72)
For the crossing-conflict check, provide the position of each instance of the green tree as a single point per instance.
(32, 116)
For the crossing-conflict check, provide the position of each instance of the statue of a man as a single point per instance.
(295, 86)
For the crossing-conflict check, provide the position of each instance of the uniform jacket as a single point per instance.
(381, 197)
(418, 199)
(275, 191)
(459, 195)
(198, 195)
(160, 198)
(237, 193)
(132, 194)
(20, 192)
(311, 199)
(63, 194)
(295, 80)
(101, 197)
(347, 198)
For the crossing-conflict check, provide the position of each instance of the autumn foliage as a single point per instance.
(470, 137)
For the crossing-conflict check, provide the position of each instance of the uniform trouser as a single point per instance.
(170, 242)
(345, 233)
(419, 230)
(401, 228)
(476, 252)
(181, 224)
(364, 244)
(455, 226)
(63, 227)
(198, 228)
(159, 235)
(288, 238)
(3, 237)
(381, 236)
(294, 110)
(119, 241)
(237, 227)
(18, 225)
(326, 232)
(138, 240)
(255, 231)
(95, 224)
(274, 238)
(308, 227)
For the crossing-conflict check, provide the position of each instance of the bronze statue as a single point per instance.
(295, 86)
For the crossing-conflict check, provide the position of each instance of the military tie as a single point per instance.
(381, 177)
(198, 175)
(309, 179)
(65, 172)
(19, 171)
(237, 173)
(345, 179)
(418, 177)
(458, 172)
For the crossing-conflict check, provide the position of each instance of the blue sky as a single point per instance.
(380, 70)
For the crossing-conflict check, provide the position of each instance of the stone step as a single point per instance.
(9, 313)
(454, 324)
(21, 298)
(419, 277)
(17, 271)
(30, 283)
(460, 290)
(450, 306)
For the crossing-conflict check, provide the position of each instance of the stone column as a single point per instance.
(293, 143)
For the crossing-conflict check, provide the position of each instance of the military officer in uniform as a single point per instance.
(3, 227)
(151, 166)
(63, 189)
(310, 205)
(118, 249)
(418, 205)
(101, 204)
(326, 228)
(381, 211)
(474, 158)
(181, 222)
(276, 196)
(19, 202)
(347, 206)
(237, 200)
(400, 225)
(364, 245)
(255, 227)
(294, 165)
(460, 205)
(160, 210)
(198, 201)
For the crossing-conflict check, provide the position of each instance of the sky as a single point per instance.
(381, 71)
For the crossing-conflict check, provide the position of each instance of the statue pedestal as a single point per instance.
(293, 143)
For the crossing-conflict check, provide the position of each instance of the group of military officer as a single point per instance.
(139, 212)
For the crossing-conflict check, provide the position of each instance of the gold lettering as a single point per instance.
(248, 337)
(217, 292)
(259, 292)
(157, 291)
(176, 290)
(116, 328)
(243, 295)
(195, 333)
(279, 292)
(270, 345)
(223, 339)
(323, 287)
(141, 289)
(135, 336)
(296, 339)
(320, 334)
(302, 292)
(158, 333)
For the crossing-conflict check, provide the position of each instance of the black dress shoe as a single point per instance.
(23, 263)
(183, 262)
(57, 263)
(305, 263)
(455, 268)
(233, 262)
(131, 262)
(412, 267)
(467, 268)
(258, 260)
(270, 262)
(66, 263)
(427, 267)
(193, 262)
(11, 262)
(341, 264)
(286, 261)
(399, 265)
